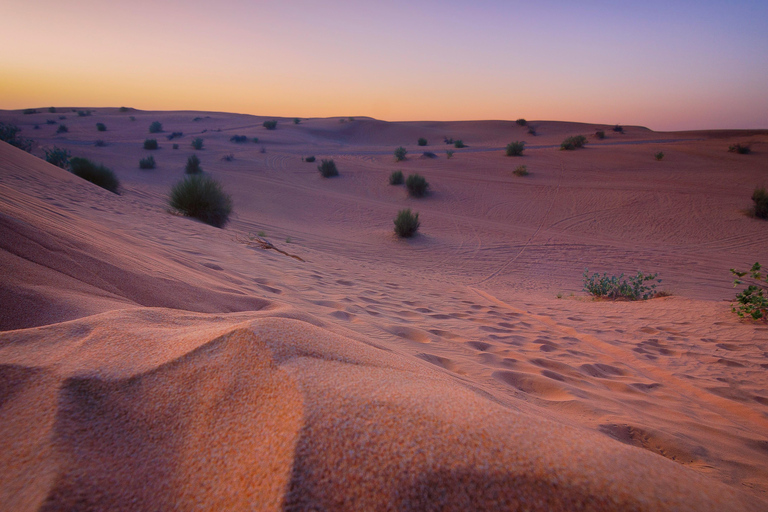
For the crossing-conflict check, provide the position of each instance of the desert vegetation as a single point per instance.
(101, 127)
(150, 144)
(155, 127)
(296, 120)
(52, 110)
(531, 130)
(422, 141)
(84, 113)
(600, 134)
(193, 165)
(618, 129)
(9, 133)
(406, 223)
(521, 122)
(573, 142)
(417, 185)
(202, 198)
(238, 139)
(99, 143)
(515, 148)
(448, 153)
(328, 168)
(521, 170)
(28, 111)
(310, 159)
(400, 153)
(429, 154)
(396, 178)
(58, 157)
(270, 125)
(458, 144)
(229, 157)
(147, 163)
(741, 149)
(751, 302)
(659, 155)
(638, 287)
(174, 135)
(760, 198)
(97, 174)
(62, 129)
(123, 109)
(197, 143)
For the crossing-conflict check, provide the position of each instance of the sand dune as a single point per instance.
(148, 361)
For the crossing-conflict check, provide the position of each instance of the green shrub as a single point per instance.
(99, 143)
(448, 153)
(296, 120)
(574, 142)
(328, 169)
(155, 127)
(101, 127)
(448, 140)
(202, 198)
(753, 300)
(58, 157)
(741, 149)
(270, 125)
(150, 144)
(406, 223)
(659, 155)
(10, 133)
(600, 134)
(521, 171)
(309, 159)
(417, 186)
(459, 144)
(515, 148)
(618, 129)
(147, 163)
(197, 143)
(521, 122)
(28, 111)
(238, 138)
(62, 129)
(400, 154)
(193, 165)
(95, 173)
(760, 197)
(396, 178)
(255, 140)
(422, 141)
(613, 287)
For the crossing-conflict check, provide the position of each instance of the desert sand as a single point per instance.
(149, 361)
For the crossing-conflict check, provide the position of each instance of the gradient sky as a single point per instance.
(668, 65)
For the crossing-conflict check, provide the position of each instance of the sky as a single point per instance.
(667, 65)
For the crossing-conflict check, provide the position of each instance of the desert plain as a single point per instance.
(149, 361)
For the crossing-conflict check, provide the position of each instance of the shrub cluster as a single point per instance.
(270, 125)
(238, 138)
(515, 148)
(155, 127)
(574, 142)
(83, 113)
(521, 171)
(203, 198)
(28, 111)
(448, 140)
(197, 143)
(50, 121)
(150, 144)
(296, 120)
(741, 149)
(417, 186)
(122, 109)
(448, 153)
(400, 154)
(422, 141)
(62, 129)
(95, 173)
(193, 165)
(328, 169)
(228, 158)
(10, 133)
(613, 287)
(52, 110)
(760, 197)
(406, 223)
(521, 122)
(396, 178)
(58, 157)
(753, 300)
(101, 127)
(147, 163)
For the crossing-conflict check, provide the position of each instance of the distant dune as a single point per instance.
(149, 361)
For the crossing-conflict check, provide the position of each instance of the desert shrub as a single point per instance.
(600, 134)
(521, 171)
(58, 157)
(659, 155)
(83, 113)
(52, 110)
(62, 129)
(61, 118)
(99, 143)
(124, 109)
(28, 111)
(613, 287)
(228, 158)
(448, 153)
(417, 186)
(396, 178)
(101, 127)
(515, 148)
(50, 121)
(531, 131)
(422, 141)
(296, 120)
(262, 150)
(270, 125)
(448, 140)
(36, 127)
(400, 154)
(429, 154)
(255, 140)
(459, 144)
(741, 149)
(175, 146)
(174, 135)
(328, 169)
(618, 129)
(193, 165)
(751, 302)
(238, 138)
(521, 122)
(202, 198)
(10, 133)
(155, 127)
(309, 159)
(150, 144)
(197, 143)
(406, 223)
(132, 118)
(574, 142)
(760, 197)
(147, 163)
(95, 173)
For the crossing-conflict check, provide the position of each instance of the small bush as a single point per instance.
(10, 133)
(124, 109)
(400, 154)
(83, 113)
(396, 178)
(197, 143)
(521, 171)
(751, 302)
(203, 198)
(50, 121)
(228, 158)
(61, 118)
(147, 163)
(52, 110)
(238, 139)
(531, 131)
(99, 143)
(741, 149)
(574, 142)
(270, 125)
(429, 154)
(28, 111)
(255, 140)
(62, 129)
(309, 159)
(417, 186)
(58, 157)
(659, 155)
(36, 127)
(600, 134)
(422, 141)
(132, 118)
(150, 144)
(448, 153)
(101, 127)
(618, 129)
(193, 165)
(95, 173)
(458, 144)
(175, 146)
(328, 169)
(296, 120)
(613, 287)
(406, 223)
(521, 122)
(174, 135)
(155, 127)
(760, 197)
(448, 140)
(262, 150)
(515, 148)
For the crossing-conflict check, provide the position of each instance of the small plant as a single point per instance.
(613, 287)
(458, 144)
(751, 302)
(193, 165)
(531, 131)
(406, 223)
(400, 154)
(417, 186)
(422, 141)
(83, 113)
(175, 146)
(150, 144)
(147, 163)
(255, 140)
(559, 295)
(61, 118)
(155, 127)
(95, 173)
(261, 234)
(351, 119)
(101, 127)
(448, 153)
(203, 198)
(36, 127)
(760, 197)
(52, 110)
(238, 139)
(396, 178)
(600, 134)
(50, 121)
(521, 122)
(28, 111)
(618, 129)
(262, 150)
(429, 154)
(132, 118)
(515, 148)
(448, 140)
(296, 120)
(10, 133)
(741, 149)
(659, 155)
(574, 142)
(309, 159)
(174, 135)
(521, 171)
(328, 169)
(270, 125)
(99, 143)
(197, 143)
(124, 109)
(228, 158)
(58, 157)
(62, 129)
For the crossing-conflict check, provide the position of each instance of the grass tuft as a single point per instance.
(406, 223)
(151, 144)
(58, 157)
(328, 169)
(396, 178)
(515, 148)
(193, 165)
(417, 186)
(197, 143)
(203, 198)
(147, 163)
(95, 173)
(574, 142)
(400, 154)
(155, 127)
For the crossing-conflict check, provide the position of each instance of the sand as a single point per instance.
(151, 362)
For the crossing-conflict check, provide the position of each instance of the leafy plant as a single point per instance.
(406, 223)
(62, 129)
(155, 127)
(741, 149)
(150, 144)
(659, 155)
(193, 165)
(255, 140)
(396, 178)
(203, 198)
(147, 163)
(309, 159)
(521, 122)
(422, 141)
(753, 300)
(400, 154)
(95, 173)
(10, 133)
(760, 197)
(515, 148)
(600, 134)
(328, 169)
(417, 186)
(574, 142)
(197, 143)
(101, 127)
(613, 287)
(58, 157)
(238, 138)
(270, 125)
(458, 144)
(521, 171)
